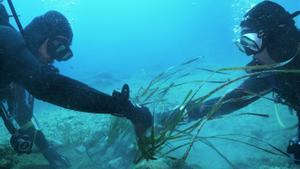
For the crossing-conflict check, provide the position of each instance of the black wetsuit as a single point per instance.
(286, 86)
(18, 65)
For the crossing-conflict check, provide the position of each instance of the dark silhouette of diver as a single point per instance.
(269, 35)
(26, 65)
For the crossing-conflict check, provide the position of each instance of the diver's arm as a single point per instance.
(236, 99)
(60, 90)
(69, 93)
(20, 66)
(44, 84)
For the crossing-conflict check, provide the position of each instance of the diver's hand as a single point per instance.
(140, 117)
(190, 113)
(166, 117)
(195, 112)
(142, 120)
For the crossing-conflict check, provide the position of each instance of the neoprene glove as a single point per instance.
(140, 117)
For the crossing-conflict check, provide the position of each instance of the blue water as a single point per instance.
(129, 35)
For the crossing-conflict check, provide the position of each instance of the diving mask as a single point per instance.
(250, 43)
(59, 49)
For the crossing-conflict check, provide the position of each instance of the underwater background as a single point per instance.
(132, 41)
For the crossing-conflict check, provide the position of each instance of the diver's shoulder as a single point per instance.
(7, 31)
(7, 28)
(9, 35)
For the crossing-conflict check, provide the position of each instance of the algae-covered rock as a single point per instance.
(164, 163)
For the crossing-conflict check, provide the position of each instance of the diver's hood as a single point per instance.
(277, 26)
(46, 26)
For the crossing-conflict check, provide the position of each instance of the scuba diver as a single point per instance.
(25, 59)
(20, 106)
(269, 35)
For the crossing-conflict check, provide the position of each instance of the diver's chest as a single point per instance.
(288, 89)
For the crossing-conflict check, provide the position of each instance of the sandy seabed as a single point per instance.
(69, 130)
